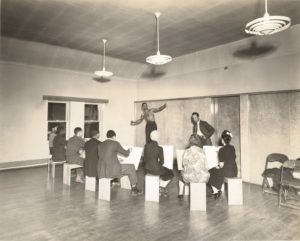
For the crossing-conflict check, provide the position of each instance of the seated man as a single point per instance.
(74, 150)
(91, 155)
(154, 160)
(110, 167)
(59, 146)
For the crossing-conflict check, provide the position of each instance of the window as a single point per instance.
(91, 119)
(56, 115)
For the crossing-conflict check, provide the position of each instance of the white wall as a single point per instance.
(203, 74)
(24, 119)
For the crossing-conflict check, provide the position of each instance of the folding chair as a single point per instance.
(289, 192)
(274, 158)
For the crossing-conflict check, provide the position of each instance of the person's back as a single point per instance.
(74, 149)
(109, 166)
(75, 143)
(153, 156)
(91, 155)
(194, 165)
(58, 149)
(228, 156)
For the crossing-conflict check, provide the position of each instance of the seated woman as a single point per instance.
(227, 166)
(154, 160)
(194, 163)
(59, 145)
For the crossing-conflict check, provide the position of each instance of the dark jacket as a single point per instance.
(153, 156)
(91, 157)
(206, 129)
(75, 143)
(108, 164)
(58, 149)
(227, 155)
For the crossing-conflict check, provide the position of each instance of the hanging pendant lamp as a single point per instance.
(158, 59)
(103, 73)
(267, 24)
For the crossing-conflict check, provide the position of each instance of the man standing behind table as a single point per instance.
(74, 150)
(202, 128)
(109, 165)
(91, 155)
(148, 116)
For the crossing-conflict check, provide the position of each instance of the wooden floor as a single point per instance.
(33, 209)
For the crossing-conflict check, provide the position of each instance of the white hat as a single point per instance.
(154, 136)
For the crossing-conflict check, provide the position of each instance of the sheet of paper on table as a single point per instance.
(168, 156)
(134, 156)
(211, 153)
(179, 156)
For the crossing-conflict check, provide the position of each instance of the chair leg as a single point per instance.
(53, 170)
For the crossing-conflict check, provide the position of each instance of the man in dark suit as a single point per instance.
(109, 165)
(202, 128)
(154, 160)
(91, 155)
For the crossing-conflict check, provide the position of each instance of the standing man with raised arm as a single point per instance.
(148, 116)
(202, 128)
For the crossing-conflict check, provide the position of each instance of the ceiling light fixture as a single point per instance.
(103, 72)
(158, 59)
(267, 24)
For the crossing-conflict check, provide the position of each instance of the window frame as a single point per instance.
(100, 119)
(59, 121)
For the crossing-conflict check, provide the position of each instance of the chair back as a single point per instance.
(276, 157)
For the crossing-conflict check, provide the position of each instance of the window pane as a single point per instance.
(88, 127)
(91, 112)
(56, 111)
(54, 124)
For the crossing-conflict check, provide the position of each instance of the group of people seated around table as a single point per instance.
(100, 159)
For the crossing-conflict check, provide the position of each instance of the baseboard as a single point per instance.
(23, 164)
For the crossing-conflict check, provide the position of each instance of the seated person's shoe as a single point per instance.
(115, 182)
(163, 191)
(79, 179)
(217, 195)
(180, 197)
(136, 192)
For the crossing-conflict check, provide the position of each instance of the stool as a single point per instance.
(104, 189)
(198, 196)
(90, 183)
(234, 190)
(125, 182)
(52, 165)
(184, 188)
(67, 172)
(151, 188)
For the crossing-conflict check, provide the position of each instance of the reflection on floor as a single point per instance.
(33, 209)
